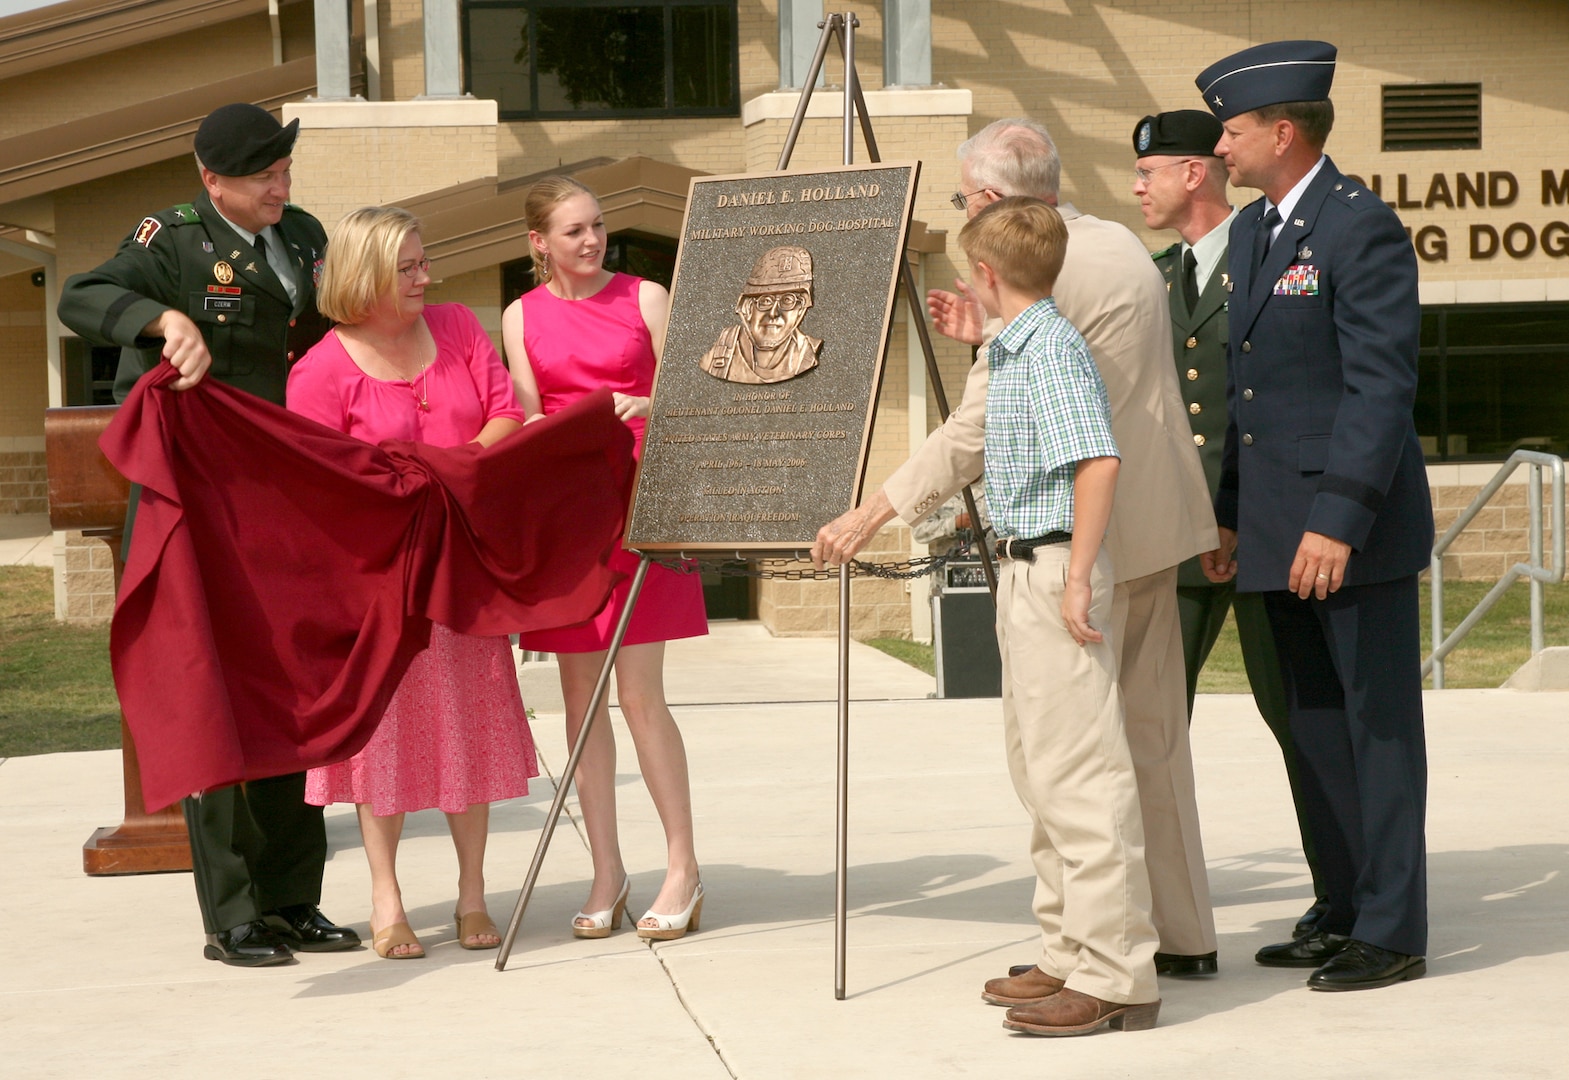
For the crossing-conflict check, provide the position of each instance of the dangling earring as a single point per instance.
(544, 267)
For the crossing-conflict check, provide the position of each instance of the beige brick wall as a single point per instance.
(88, 579)
(25, 378)
(1089, 72)
(1498, 537)
(340, 169)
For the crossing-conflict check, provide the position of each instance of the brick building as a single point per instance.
(1452, 112)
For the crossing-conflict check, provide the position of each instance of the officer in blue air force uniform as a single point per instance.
(1181, 185)
(1324, 493)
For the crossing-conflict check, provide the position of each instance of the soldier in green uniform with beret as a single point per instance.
(226, 286)
(1181, 185)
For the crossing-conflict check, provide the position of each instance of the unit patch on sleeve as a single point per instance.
(147, 230)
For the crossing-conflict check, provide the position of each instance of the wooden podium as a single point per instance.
(87, 493)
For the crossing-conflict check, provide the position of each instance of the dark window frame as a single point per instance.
(667, 110)
(1441, 353)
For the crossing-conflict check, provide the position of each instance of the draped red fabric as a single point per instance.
(282, 575)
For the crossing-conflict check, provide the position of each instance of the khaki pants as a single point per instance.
(1069, 760)
(1148, 628)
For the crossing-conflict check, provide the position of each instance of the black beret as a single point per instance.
(240, 139)
(1180, 133)
(1268, 75)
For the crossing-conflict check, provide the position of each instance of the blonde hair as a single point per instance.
(539, 204)
(1022, 239)
(361, 265)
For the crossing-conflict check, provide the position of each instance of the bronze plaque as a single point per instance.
(761, 418)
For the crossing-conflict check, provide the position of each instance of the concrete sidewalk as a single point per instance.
(104, 977)
(25, 540)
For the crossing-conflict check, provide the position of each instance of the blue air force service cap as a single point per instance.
(1268, 75)
(1181, 133)
(240, 139)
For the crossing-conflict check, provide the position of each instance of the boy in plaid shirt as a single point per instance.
(1051, 474)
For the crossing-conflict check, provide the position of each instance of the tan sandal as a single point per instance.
(474, 924)
(390, 937)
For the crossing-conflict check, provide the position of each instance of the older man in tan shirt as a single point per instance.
(1110, 290)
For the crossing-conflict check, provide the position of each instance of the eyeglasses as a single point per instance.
(961, 199)
(1143, 175)
(789, 301)
(414, 268)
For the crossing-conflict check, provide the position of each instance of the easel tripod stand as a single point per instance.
(840, 27)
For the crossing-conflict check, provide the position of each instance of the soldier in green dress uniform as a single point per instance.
(226, 286)
(1181, 185)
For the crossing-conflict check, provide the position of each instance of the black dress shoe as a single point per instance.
(250, 944)
(1360, 966)
(1184, 967)
(305, 928)
(1311, 918)
(1310, 951)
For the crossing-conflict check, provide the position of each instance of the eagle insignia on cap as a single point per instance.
(1144, 136)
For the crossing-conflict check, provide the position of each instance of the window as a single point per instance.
(1433, 116)
(606, 58)
(1492, 379)
(641, 254)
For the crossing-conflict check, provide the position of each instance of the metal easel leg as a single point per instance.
(565, 784)
(842, 836)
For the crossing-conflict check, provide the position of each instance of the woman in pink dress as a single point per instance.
(581, 329)
(455, 735)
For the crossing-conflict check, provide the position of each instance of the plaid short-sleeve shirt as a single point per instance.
(1046, 410)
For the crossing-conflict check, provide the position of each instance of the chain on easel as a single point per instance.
(791, 570)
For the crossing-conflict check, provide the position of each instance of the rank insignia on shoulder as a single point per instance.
(147, 230)
(1353, 195)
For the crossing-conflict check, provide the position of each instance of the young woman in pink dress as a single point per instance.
(581, 329)
(455, 735)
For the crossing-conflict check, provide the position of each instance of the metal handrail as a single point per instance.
(1534, 570)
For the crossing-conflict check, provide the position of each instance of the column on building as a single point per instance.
(443, 50)
(332, 50)
(798, 37)
(907, 43)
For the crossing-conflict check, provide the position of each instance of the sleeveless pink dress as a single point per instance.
(575, 346)
(455, 732)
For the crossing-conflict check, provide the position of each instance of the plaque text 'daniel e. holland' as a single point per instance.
(780, 309)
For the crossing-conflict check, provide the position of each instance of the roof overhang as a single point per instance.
(61, 33)
(119, 140)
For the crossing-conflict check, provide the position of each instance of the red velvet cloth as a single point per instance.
(282, 575)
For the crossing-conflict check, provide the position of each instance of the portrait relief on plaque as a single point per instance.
(760, 423)
(768, 346)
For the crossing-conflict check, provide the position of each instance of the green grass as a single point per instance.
(911, 652)
(56, 692)
(1494, 649)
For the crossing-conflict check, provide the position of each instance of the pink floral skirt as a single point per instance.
(455, 734)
